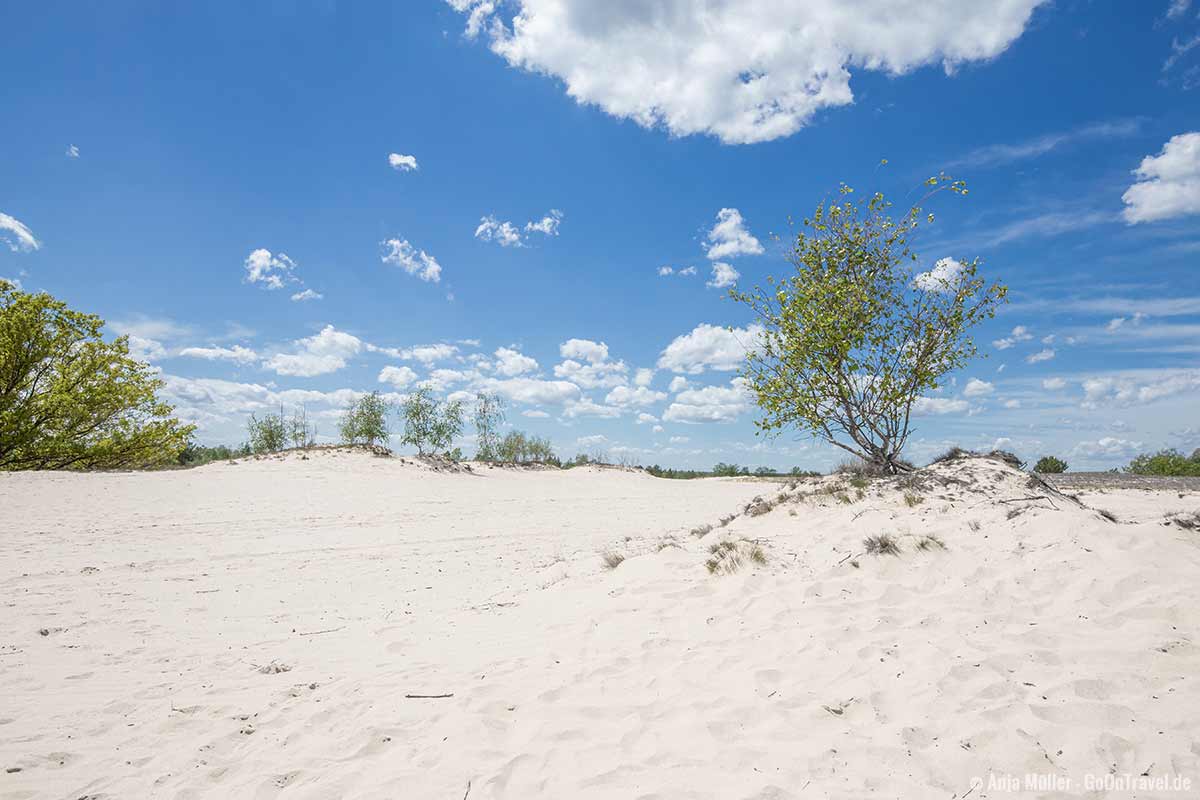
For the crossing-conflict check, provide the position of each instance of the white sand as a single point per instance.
(1055, 643)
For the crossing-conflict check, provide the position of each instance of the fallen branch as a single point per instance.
(428, 696)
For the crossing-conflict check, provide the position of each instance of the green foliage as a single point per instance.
(69, 399)
(1165, 462)
(489, 416)
(1048, 465)
(268, 434)
(195, 455)
(854, 336)
(365, 421)
(519, 448)
(430, 425)
(723, 470)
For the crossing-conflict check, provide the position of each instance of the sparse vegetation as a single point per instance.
(930, 542)
(1108, 515)
(489, 416)
(883, 544)
(1189, 522)
(973, 524)
(1049, 465)
(701, 530)
(727, 556)
(69, 399)
(912, 499)
(854, 337)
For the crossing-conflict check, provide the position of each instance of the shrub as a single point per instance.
(268, 434)
(1165, 462)
(519, 448)
(365, 421)
(429, 424)
(300, 433)
(728, 556)
(489, 416)
(1049, 465)
(69, 399)
(911, 499)
(827, 362)
(951, 454)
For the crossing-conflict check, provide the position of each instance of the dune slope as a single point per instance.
(349, 626)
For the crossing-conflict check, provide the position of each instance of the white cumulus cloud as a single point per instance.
(723, 275)
(729, 237)
(237, 354)
(1168, 184)
(511, 362)
(942, 278)
(746, 71)
(709, 347)
(268, 269)
(397, 376)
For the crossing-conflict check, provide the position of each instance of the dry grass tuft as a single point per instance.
(1189, 522)
(1108, 515)
(973, 525)
(701, 530)
(930, 542)
(729, 556)
(912, 499)
(882, 545)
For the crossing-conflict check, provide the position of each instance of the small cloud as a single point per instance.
(271, 271)
(729, 237)
(1019, 334)
(306, 295)
(1040, 356)
(547, 225)
(400, 253)
(1054, 384)
(72, 151)
(397, 376)
(722, 275)
(237, 354)
(943, 278)
(977, 388)
(402, 163)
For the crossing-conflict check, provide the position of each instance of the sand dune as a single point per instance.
(259, 629)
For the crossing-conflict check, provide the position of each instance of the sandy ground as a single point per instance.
(258, 630)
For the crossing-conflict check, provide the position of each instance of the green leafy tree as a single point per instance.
(429, 424)
(1049, 465)
(269, 433)
(489, 416)
(854, 337)
(365, 421)
(69, 399)
(1165, 462)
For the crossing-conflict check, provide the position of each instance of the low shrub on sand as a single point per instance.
(882, 545)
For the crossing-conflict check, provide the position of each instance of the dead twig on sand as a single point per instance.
(1047, 498)
(428, 696)
(327, 630)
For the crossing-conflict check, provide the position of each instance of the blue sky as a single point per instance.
(483, 195)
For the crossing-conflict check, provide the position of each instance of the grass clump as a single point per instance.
(612, 559)
(1108, 515)
(882, 545)
(701, 530)
(1189, 522)
(727, 557)
(912, 499)
(929, 542)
